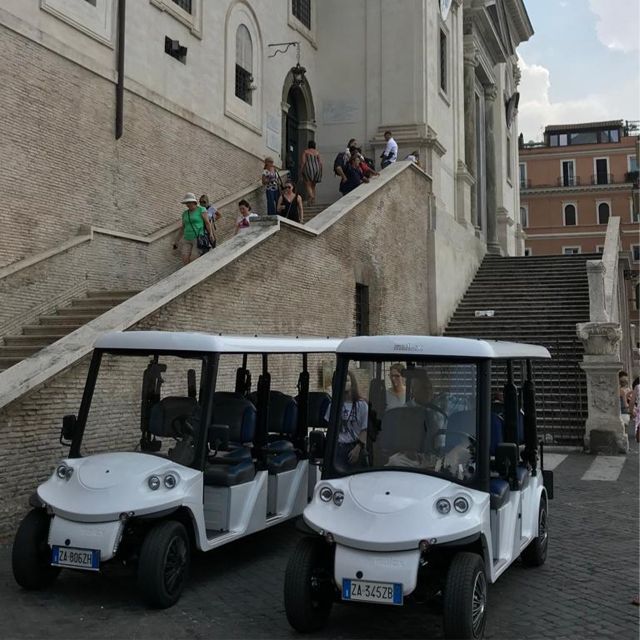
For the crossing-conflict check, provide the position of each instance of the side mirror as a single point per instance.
(68, 430)
(317, 443)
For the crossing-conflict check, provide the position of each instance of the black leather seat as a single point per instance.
(319, 403)
(499, 491)
(222, 475)
(522, 477)
(234, 466)
(283, 421)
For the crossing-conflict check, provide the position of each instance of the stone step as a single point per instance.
(39, 341)
(91, 312)
(107, 303)
(18, 352)
(6, 362)
(50, 330)
(552, 314)
(76, 319)
(124, 294)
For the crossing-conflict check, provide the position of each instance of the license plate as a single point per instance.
(88, 559)
(366, 591)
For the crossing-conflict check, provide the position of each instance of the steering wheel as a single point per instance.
(181, 427)
(437, 409)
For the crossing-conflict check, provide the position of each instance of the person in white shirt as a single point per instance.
(397, 392)
(390, 153)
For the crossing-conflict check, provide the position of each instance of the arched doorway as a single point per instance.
(298, 123)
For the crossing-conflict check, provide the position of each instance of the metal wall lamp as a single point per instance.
(298, 72)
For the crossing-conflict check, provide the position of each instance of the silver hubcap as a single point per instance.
(479, 603)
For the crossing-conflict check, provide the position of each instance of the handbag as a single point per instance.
(202, 241)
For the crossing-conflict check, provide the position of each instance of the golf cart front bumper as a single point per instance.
(400, 567)
(97, 536)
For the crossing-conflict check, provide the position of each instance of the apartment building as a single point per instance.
(574, 181)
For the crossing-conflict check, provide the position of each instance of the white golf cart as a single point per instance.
(199, 462)
(440, 491)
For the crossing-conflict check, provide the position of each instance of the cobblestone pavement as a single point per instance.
(583, 591)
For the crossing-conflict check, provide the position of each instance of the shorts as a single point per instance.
(189, 248)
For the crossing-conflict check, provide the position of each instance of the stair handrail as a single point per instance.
(87, 232)
(603, 277)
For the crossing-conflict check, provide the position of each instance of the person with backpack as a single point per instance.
(196, 233)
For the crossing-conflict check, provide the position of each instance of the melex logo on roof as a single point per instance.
(408, 347)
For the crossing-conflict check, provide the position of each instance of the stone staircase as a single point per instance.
(539, 300)
(53, 327)
(311, 211)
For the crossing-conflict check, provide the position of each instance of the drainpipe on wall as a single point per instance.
(120, 64)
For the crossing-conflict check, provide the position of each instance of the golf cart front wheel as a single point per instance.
(535, 553)
(164, 564)
(465, 597)
(31, 555)
(308, 585)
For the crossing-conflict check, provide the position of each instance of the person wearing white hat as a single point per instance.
(195, 225)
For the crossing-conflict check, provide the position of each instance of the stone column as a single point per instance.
(470, 64)
(605, 431)
(490, 95)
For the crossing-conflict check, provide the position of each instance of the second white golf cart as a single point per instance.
(172, 450)
(432, 488)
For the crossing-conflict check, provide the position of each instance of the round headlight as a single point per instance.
(170, 481)
(338, 498)
(154, 483)
(461, 505)
(443, 506)
(63, 472)
(326, 494)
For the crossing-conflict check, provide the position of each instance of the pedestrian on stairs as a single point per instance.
(272, 184)
(311, 170)
(195, 230)
(290, 204)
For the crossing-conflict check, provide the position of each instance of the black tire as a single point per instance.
(535, 553)
(465, 597)
(308, 585)
(163, 566)
(31, 555)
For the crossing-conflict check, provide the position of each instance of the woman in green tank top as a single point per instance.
(195, 222)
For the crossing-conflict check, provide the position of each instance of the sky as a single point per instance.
(581, 65)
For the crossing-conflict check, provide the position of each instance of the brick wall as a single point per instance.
(292, 283)
(63, 168)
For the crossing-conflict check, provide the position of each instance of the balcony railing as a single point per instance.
(568, 181)
(576, 181)
(602, 178)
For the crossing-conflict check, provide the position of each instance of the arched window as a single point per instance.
(570, 217)
(244, 64)
(603, 213)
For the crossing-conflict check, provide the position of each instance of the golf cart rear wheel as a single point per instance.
(535, 553)
(31, 555)
(163, 566)
(308, 585)
(465, 597)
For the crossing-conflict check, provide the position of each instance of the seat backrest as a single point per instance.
(165, 416)
(404, 429)
(319, 402)
(497, 432)
(283, 414)
(238, 413)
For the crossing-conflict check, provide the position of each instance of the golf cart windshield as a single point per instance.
(150, 403)
(418, 415)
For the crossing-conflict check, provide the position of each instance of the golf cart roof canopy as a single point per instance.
(201, 342)
(438, 346)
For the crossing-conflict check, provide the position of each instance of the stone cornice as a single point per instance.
(588, 188)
